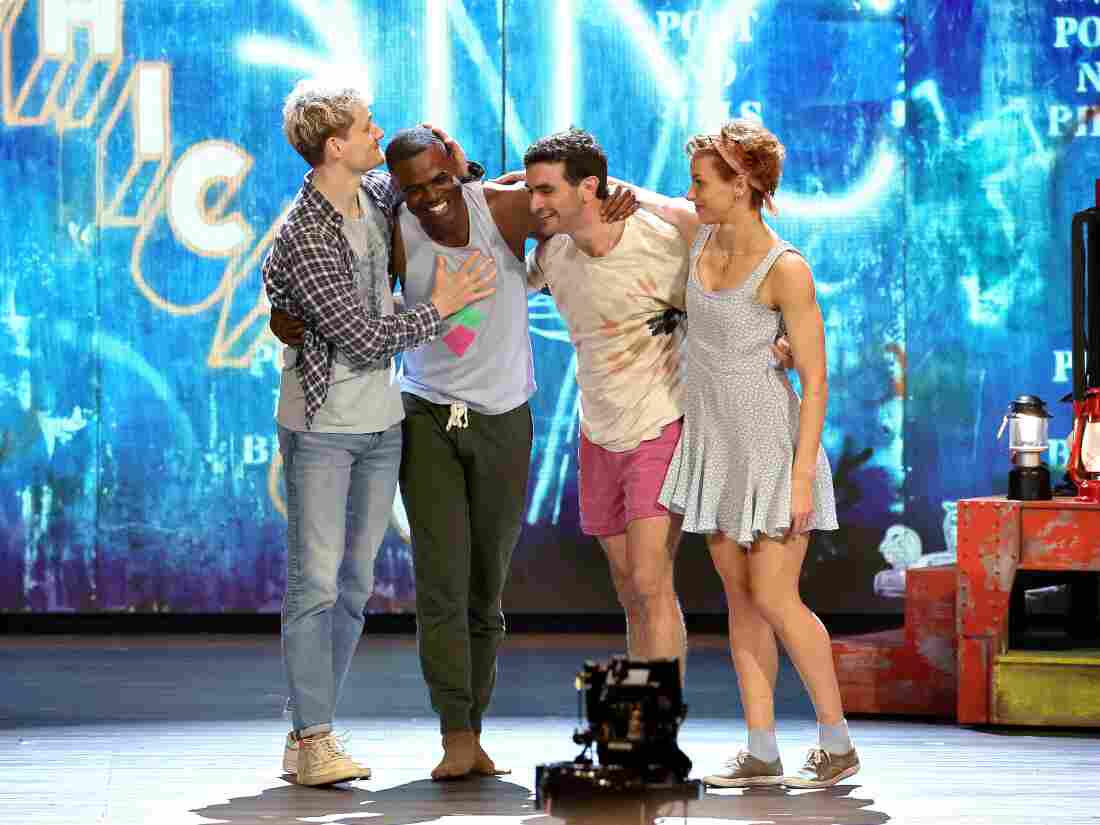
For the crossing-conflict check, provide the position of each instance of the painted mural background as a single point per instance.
(936, 153)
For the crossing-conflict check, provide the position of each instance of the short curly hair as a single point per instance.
(408, 143)
(315, 111)
(578, 150)
(761, 152)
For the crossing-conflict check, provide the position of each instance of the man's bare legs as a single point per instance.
(642, 562)
(615, 549)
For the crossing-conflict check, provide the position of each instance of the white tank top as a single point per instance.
(483, 357)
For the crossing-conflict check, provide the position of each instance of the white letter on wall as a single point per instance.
(202, 228)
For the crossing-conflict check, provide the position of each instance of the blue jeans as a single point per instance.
(339, 496)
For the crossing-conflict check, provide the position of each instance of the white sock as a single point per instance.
(834, 739)
(762, 744)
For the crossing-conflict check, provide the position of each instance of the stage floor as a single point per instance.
(167, 730)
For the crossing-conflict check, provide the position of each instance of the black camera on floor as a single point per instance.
(634, 709)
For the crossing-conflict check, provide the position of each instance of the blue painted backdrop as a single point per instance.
(936, 152)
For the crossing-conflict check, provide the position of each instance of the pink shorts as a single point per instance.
(618, 488)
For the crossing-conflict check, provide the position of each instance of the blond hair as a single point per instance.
(315, 111)
(757, 149)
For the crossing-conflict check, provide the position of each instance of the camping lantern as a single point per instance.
(1028, 421)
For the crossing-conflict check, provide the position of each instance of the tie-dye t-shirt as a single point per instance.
(629, 377)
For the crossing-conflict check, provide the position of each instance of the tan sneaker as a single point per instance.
(290, 754)
(291, 749)
(746, 771)
(823, 769)
(322, 760)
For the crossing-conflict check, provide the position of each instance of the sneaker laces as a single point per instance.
(735, 762)
(815, 759)
(333, 745)
(458, 416)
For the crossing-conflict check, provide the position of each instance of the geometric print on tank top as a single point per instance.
(460, 330)
(731, 471)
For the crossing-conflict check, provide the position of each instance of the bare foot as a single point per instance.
(459, 755)
(484, 766)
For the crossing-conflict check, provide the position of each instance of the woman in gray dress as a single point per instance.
(750, 472)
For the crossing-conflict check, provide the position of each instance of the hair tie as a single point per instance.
(728, 149)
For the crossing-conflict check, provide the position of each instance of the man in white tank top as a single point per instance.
(467, 433)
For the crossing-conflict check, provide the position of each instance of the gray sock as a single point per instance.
(762, 744)
(834, 738)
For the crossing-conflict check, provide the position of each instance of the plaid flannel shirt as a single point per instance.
(309, 273)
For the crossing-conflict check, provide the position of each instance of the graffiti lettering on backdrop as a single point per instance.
(134, 167)
(66, 73)
(935, 151)
(1077, 118)
(166, 203)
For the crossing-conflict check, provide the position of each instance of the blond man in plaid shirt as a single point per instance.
(340, 411)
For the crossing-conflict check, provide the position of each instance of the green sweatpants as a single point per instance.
(464, 491)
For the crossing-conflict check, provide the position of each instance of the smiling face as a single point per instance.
(555, 202)
(715, 197)
(432, 193)
(358, 148)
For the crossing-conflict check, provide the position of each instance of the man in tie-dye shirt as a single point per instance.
(619, 288)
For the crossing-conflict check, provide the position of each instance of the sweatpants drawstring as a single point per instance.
(458, 417)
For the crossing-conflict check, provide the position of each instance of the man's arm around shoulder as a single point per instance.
(510, 205)
(676, 211)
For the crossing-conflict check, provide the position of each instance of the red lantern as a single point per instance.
(1084, 455)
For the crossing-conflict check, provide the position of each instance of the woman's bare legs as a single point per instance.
(773, 570)
(752, 641)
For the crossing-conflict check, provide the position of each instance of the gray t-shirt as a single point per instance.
(359, 400)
